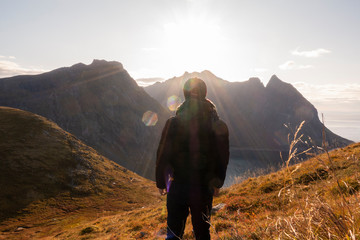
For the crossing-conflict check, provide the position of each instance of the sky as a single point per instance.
(313, 45)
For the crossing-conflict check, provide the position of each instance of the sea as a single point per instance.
(344, 124)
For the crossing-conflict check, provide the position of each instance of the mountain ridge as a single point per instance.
(99, 103)
(260, 119)
(104, 107)
(249, 99)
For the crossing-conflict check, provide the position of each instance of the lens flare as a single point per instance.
(173, 102)
(150, 118)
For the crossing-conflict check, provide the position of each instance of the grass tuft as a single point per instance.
(88, 230)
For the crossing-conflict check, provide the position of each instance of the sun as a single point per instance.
(193, 42)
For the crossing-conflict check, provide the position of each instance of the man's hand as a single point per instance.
(216, 191)
(162, 191)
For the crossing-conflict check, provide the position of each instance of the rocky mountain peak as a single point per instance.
(256, 82)
(78, 66)
(277, 86)
(98, 62)
(96, 67)
(274, 81)
(254, 79)
(208, 74)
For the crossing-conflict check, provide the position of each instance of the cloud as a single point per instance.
(305, 66)
(344, 93)
(143, 82)
(10, 68)
(9, 57)
(291, 65)
(337, 104)
(332, 96)
(310, 54)
(349, 89)
(147, 76)
(287, 65)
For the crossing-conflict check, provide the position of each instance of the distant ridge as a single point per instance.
(255, 113)
(99, 103)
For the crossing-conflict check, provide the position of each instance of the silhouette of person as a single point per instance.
(192, 158)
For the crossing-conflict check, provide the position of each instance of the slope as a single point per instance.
(47, 173)
(317, 199)
(100, 104)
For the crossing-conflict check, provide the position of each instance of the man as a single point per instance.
(192, 158)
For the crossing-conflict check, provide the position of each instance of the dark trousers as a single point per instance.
(182, 199)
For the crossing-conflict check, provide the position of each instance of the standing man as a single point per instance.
(191, 164)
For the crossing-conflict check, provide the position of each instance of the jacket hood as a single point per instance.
(197, 108)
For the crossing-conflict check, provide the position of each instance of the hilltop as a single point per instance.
(315, 199)
(49, 178)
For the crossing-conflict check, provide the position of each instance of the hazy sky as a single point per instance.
(311, 44)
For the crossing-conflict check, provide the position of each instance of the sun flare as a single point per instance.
(191, 42)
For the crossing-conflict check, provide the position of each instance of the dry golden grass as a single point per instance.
(310, 207)
(51, 182)
(317, 199)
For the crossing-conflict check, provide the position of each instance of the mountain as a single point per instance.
(46, 172)
(256, 115)
(100, 104)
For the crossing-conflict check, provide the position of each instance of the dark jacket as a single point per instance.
(194, 147)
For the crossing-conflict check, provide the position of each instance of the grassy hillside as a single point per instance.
(317, 199)
(48, 178)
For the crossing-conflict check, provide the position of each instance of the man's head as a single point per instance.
(195, 88)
